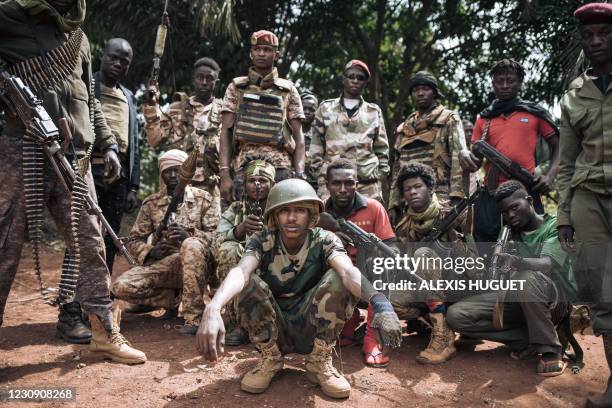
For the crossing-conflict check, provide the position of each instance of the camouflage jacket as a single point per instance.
(231, 218)
(436, 140)
(361, 137)
(195, 214)
(176, 129)
(290, 276)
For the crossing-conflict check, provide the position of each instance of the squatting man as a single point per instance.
(303, 293)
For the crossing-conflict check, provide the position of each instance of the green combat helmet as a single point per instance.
(290, 191)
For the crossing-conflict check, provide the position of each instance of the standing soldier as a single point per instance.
(351, 128)
(259, 107)
(192, 122)
(512, 126)
(43, 44)
(179, 259)
(241, 220)
(310, 103)
(433, 135)
(119, 108)
(585, 175)
(299, 299)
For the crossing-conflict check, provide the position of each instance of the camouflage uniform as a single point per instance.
(176, 129)
(64, 86)
(280, 155)
(361, 137)
(156, 284)
(293, 299)
(435, 140)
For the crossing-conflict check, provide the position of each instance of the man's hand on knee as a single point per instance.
(210, 338)
(386, 321)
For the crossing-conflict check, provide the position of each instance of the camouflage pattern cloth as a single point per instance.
(279, 156)
(320, 312)
(361, 138)
(435, 140)
(310, 177)
(187, 269)
(176, 129)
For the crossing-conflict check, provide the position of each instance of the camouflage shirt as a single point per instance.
(361, 137)
(434, 139)
(195, 214)
(290, 276)
(176, 129)
(231, 218)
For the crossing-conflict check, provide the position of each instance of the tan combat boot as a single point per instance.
(441, 346)
(258, 379)
(320, 370)
(113, 345)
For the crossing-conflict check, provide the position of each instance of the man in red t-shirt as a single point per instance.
(512, 126)
(345, 202)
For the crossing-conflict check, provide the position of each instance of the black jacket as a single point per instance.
(132, 173)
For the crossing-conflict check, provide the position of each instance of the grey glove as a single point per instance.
(386, 321)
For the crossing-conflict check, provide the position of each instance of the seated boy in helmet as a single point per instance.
(303, 292)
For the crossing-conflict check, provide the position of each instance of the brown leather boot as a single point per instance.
(258, 379)
(441, 346)
(604, 400)
(112, 344)
(320, 370)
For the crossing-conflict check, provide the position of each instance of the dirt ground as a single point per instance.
(176, 376)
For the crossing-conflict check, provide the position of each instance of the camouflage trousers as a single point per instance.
(156, 284)
(93, 285)
(226, 256)
(295, 322)
(371, 190)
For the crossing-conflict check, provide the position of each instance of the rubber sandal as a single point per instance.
(551, 368)
(376, 359)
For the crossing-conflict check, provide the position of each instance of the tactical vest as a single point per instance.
(422, 144)
(261, 115)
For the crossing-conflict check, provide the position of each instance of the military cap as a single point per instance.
(426, 79)
(264, 37)
(359, 64)
(594, 13)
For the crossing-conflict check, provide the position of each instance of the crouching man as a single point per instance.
(303, 293)
(527, 326)
(177, 261)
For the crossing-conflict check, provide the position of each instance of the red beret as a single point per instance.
(263, 37)
(358, 63)
(594, 13)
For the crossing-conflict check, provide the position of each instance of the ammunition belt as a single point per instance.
(55, 66)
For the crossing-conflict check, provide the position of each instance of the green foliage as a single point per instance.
(457, 40)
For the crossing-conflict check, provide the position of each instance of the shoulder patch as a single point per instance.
(241, 82)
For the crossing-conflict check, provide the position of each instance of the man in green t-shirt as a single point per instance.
(528, 328)
(302, 292)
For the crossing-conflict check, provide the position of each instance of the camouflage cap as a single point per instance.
(594, 13)
(424, 78)
(264, 37)
(260, 168)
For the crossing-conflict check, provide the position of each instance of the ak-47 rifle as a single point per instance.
(509, 168)
(362, 239)
(32, 114)
(500, 272)
(186, 174)
(447, 222)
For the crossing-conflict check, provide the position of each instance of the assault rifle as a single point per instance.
(500, 272)
(32, 114)
(448, 221)
(186, 173)
(509, 168)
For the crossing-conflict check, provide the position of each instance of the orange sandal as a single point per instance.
(373, 354)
